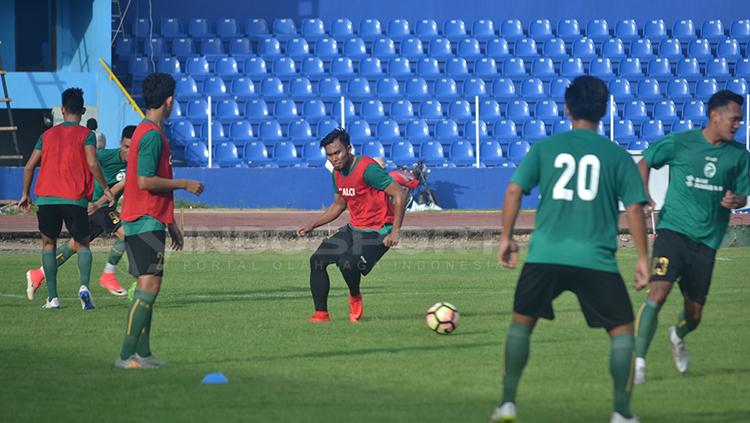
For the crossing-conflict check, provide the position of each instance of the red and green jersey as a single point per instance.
(362, 187)
(581, 176)
(699, 175)
(64, 174)
(113, 168)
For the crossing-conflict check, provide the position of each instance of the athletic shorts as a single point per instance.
(146, 253)
(360, 249)
(677, 257)
(104, 220)
(51, 218)
(602, 295)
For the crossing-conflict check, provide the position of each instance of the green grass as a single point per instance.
(245, 315)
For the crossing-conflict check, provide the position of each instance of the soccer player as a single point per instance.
(102, 218)
(708, 176)
(581, 176)
(147, 211)
(67, 153)
(362, 186)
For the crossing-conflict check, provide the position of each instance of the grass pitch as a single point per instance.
(245, 315)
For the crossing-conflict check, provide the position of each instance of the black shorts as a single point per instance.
(602, 295)
(146, 253)
(104, 220)
(349, 247)
(51, 218)
(677, 257)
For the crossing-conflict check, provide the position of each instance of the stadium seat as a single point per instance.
(511, 30)
(681, 126)
(737, 85)
(671, 50)
(285, 111)
(256, 28)
(285, 154)
(474, 87)
(742, 68)
(614, 50)
(554, 48)
(314, 110)
(432, 153)
(489, 111)
(217, 132)
(240, 48)
(313, 154)
(684, 30)
(718, 69)
(485, 68)
(534, 130)
(503, 89)
(398, 29)
(431, 110)
(270, 130)
(169, 65)
(560, 126)
(176, 113)
(388, 130)
(713, 30)
(445, 89)
(417, 89)
(372, 111)
(469, 49)
(227, 29)
(631, 69)
(543, 68)
(532, 89)
(540, 30)
(226, 68)
(635, 110)
(326, 126)
(700, 49)
(688, 68)
(197, 67)
(255, 68)
(454, 30)
(384, 48)
(154, 47)
(572, 68)
(518, 111)
(665, 111)
(185, 88)
(729, 50)
(624, 131)
(125, 47)
(399, 68)
(241, 132)
(342, 68)
(284, 29)
(526, 49)
(659, 69)
(197, 110)
(141, 28)
(242, 88)
(649, 90)
(256, 154)
(557, 88)
(483, 30)
(695, 111)
(498, 49)
(597, 29)
(272, 88)
(199, 28)
(417, 130)
(349, 111)
(269, 48)
(388, 89)
(460, 110)
(402, 153)
(300, 88)
(312, 29)
(342, 29)
(611, 111)
(312, 67)
(457, 68)
(655, 30)
(627, 30)
(196, 154)
(214, 87)
(183, 132)
(741, 134)
(371, 68)
(440, 49)
(411, 48)
(642, 49)
(546, 111)
(354, 48)
(505, 131)
(373, 148)
(517, 151)
(139, 68)
(359, 131)
(297, 48)
(402, 111)
(514, 68)
(329, 88)
(740, 30)
(428, 68)
(584, 49)
(652, 130)
(326, 48)
(462, 153)
(370, 29)
(491, 153)
(446, 130)
(256, 110)
(705, 88)
(426, 29)
(638, 145)
(568, 29)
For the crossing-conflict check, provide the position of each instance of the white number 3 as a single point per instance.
(587, 184)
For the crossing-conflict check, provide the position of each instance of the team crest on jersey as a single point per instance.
(709, 170)
(348, 192)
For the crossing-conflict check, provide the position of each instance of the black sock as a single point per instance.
(319, 282)
(350, 272)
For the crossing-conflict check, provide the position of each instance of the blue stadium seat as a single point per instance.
(256, 154)
(560, 126)
(297, 48)
(359, 131)
(532, 89)
(741, 134)
(326, 126)
(652, 130)
(197, 110)
(349, 111)
(503, 89)
(402, 153)
(402, 111)
(462, 153)
(468, 48)
(256, 28)
(729, 49)
(638, 145)
(185, 88)
(740, 30)
(518, 111)
(655, 30)
(572, 68)
(300, 88)
(543, 68)
(359, 89)
(660, 69)
(285, 111)
(139, 68)
(642, 49)
(671, 50)
(269, 48)
(329, 88)
(474, 87)
(426, 29)
(227, 28)
(624, 131)
(417, 88)
(568, 29)
(557, 88)
(517, 151)
(457, 68)
(483, 29)
(154, 47)
(705, 88)
(718, 69)
(411, 48)
(694, 110)
(398, 29)
(611, 111)
(597, 29)
(540, 30)
(713, 30)
(684, 30)
(635, 110)
(388, 89)
(241, 132)
(215, 88)
(371, 68)
(460, 110)
(454, 29)
(341, 29)
(183, 132)
(534, 130)
(284, 29)
(314, 110)
(491, 153)
(584, 49)
(428, 68)
(196, 154)
(399, 68)
(255, 68)
(226, 68)
(141, 28)
(217, 132)
(555, 49)
(326, 48)
(212, 49)
(199, 28)
(440, 49)
(498, 49)
(631, 69)
(700, 49)
(681, 126)
(388, 130)
(742, 68)
(446, 130)
(489, 111)
(240, 48)
(272, 88)
(384, 48)
(737, 85)
(373, 148)
(312, 29)
(432, 153)
(256, 110)
(169, 65)
(546, 111)
(313, 154)
(417, 130)
(372, 111)
(285, 154)
(649, 90)
(689, 69)
(176, 113)
(627, 30)
(665, 111)
(526, 48)
(270, 130)
(242, 88)
(355, 48)
(125, 47)
(505, 131)
(613, 49)
(342, 68)
(485, 68)
(511, 30)
(313, 68)
(514, 68)
(370, 29)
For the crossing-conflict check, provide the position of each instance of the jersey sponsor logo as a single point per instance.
(347, 192)
(661, 266)
(709, 170)
(701, 183)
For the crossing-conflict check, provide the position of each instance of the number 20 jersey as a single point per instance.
(581, 176)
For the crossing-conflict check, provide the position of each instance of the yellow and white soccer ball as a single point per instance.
(442, 318)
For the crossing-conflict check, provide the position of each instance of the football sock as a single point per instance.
(621, 369)
(646, 327)
(139, 314)
(84, 265)
(143, 347)
(116, 252)
(684, 326)
(49, 264)
(351, 275)
(63, 254)
(319, 282)
(516, 356)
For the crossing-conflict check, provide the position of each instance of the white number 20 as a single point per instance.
(587, 184)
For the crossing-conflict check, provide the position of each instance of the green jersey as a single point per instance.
(113, 168)
(149, 151)
(581, 176)
(699, 175)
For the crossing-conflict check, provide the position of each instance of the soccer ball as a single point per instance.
(442, 318)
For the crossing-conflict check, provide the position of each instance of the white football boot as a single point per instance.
(639, 377)
(504, 413)
(680, 354)
(618, 418)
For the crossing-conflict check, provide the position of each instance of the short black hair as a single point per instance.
(586, 98)
(127, 132)
(337, 134)
(722, 98)
(157, 87)
(92, 124)
(72, 100)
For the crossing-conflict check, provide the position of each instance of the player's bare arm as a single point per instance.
(732, 201)
(399, 204)
(332, 212)
(645, 170)
(116, 189)
(637, 225)
(507, 254)
(176, 235)
(28, 176)
(158, 184)
(96, 171)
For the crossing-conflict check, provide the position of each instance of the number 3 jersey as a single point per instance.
(581, 176)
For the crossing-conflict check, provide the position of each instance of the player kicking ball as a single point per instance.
(366, 189)
(708, 176)
(102, 217)
(581, 176)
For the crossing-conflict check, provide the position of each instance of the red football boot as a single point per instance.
(34, 279)
(109, 282)
(355, 308)
(320, 317)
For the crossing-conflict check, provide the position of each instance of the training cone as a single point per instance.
(214, 378)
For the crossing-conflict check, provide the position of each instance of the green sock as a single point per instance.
(143, 348)
(684, 326)
(84, 265)
(63, 254)
(621, 369)
(646, 327)
(516, 356)
(116, 252)
(49, 264)
(138, 316)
